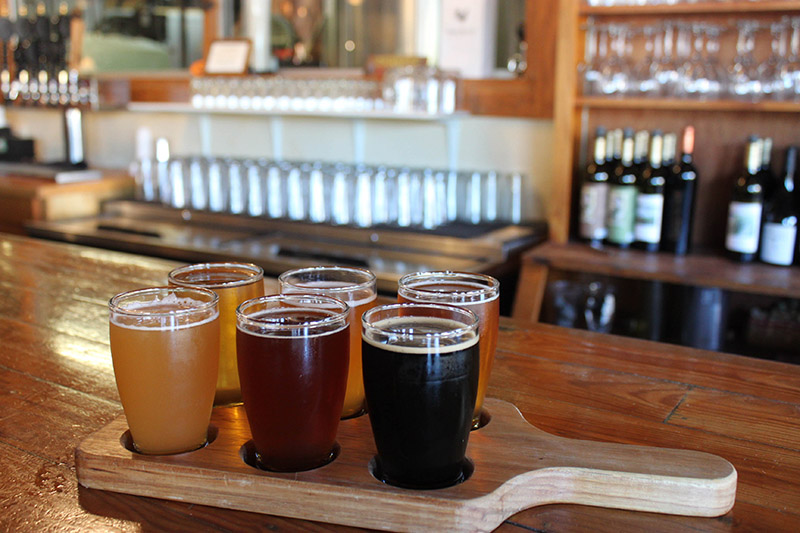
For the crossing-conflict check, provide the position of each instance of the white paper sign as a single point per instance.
(468, 37)
(227, 57)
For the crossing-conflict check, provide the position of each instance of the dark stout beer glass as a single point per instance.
(420, 364)
(293, 354)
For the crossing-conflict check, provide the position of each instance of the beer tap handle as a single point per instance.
(6, 33)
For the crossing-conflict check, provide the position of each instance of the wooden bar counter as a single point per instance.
(57, 387)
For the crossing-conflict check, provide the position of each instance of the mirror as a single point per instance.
(126, 35)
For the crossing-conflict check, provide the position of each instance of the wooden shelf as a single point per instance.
(694, 269)
(676, 104)
(700, 8)
(182, 108)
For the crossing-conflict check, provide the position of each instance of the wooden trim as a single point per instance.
(677, 104)
(697, 270)
(211, 25)
(542, 36)
(566, 122)
(530, 291)
(166, 88)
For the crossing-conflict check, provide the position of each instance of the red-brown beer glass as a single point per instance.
(293, 352)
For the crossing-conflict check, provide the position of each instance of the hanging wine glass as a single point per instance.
(769, 72)
(789, 71)
(699, 76)
(613, 74)
(642, 80)
(666, 72)
(744, 80)
(589, 69)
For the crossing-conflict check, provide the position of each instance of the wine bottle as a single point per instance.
(765, 173)
(779, 230)
(650, 200)
(622, 197)
(679, 198)
(670, 148)
(619, 136)
(641, 144)
(744, 211)
(594, 193)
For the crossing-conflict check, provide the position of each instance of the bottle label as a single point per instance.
(777, 243)
(621, 213)
(593, 211)
(744, 224)
(649, 214)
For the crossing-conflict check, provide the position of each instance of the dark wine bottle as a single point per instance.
(617, 137)
(670, 148)
(679, 198)
(765, 173)
(594, 193)
(779, 229)
(650, 200)
(744, 211)
(640, 147)
(622, 197)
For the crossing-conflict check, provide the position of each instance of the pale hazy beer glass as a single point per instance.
(234, 283)
(356, 287)
(478, 293)
(164, 346)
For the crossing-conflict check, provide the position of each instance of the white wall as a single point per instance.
(484, 143)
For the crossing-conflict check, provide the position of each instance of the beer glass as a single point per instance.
(478, 293)
(421, 364)
(293, 352)
(234, 283)
(355, 286)
(164, 349)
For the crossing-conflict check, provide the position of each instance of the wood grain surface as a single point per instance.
(516, 466)
(57, 388)
(698, 270)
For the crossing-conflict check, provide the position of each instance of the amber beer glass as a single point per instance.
(478, 293)
(164, 348)
(234, 283)
(421, 379)
(357, 287)
(293, 352)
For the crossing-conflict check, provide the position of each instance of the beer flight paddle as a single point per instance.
(516, 466)
(420, 460)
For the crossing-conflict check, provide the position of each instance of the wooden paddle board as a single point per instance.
(514, 466)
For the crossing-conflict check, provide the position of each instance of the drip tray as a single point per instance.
(278, 245)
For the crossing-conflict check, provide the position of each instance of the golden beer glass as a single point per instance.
(234, 283)
(358, 288)
(477, 292)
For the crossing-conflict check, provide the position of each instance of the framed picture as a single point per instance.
(228, 56)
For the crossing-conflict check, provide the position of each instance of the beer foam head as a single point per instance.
(170, 302)
(163, 308)
(216, 275)
(353, 294)
(293, 322)
(292, 315)
(455, 288)
(420, 335)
